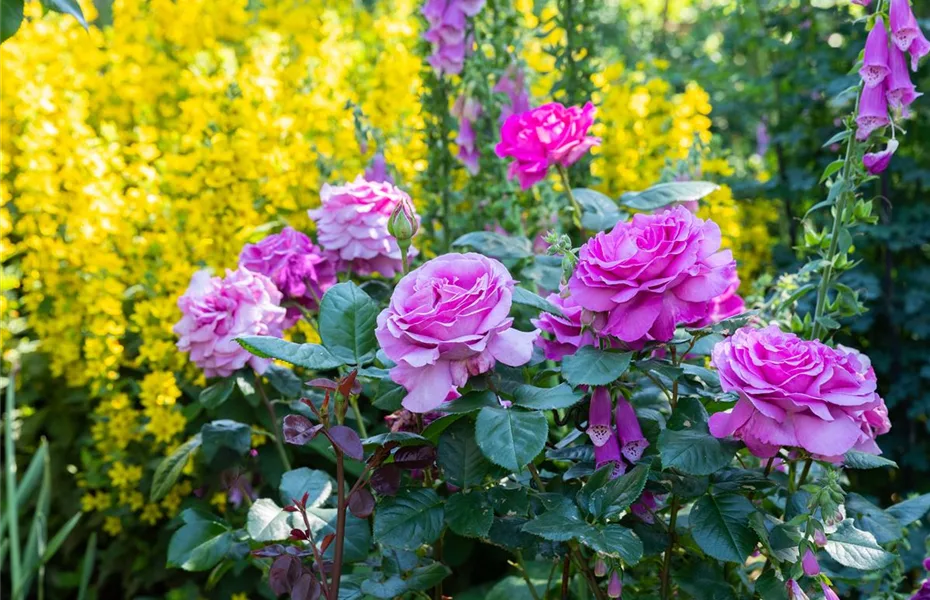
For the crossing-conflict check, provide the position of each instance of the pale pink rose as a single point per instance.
(652, 273)
(544, 137)
(447, 320)
(352, 225)
(217, 311)
(795, 393)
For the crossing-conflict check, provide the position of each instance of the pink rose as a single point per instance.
(352, 224)
(295, 265)
(726, 305)
(651, 273)
(217, 311)
(567, 333)
(447, 320)
(540, 138)
(797, 393)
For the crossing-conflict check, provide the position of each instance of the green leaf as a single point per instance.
(720, 526)
(831, 169)
(347, 323)
(694, 451)
(214, 396)
(596, 481)
(358, 533)
(297, 482)
(590, 366)
(614, 541)
(469, 514)
(284, 380)
(66, 7)
(558, 525)
(910, 510)
(308, 356)
(536, 398)
(459, 457)
(60, 537)
(470, 402)
(169, 469)
(527, 298)
(428, 576)
(703, 581)
(412, 518)
(854, 459)
(495, 245)
(268, 522)
(87, 566)
(225, 434)
(599, 212)
(401, 438)
(873, 519)
(618, 494)
(390, 395)
(664, 194)
(11, 17)
(856, 549)
(511, 437)
(199, 546)
(839, 137)
(392, 587)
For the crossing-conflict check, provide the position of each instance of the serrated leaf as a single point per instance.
(213, 396)
(536, 398)
(309, 356)
(470, 402)
(525, 297)
(469, 514)
(855, 459)
(460, 458)
(559, 525)
(720, 526)
(910, 510)
(599, 212)
(225, 434)
(694, 451)
(412, 518)
(591, 366)
(495, 245)
(347, 323)
(199, 546)
(268, 522)
(614, 541)
(873, 519)
(618, 494)
(511, 437)
(663, 194)
(11, 17)
(357, 538)
(297, 482)
(857, 549)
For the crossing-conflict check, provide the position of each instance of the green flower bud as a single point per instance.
(403, 223)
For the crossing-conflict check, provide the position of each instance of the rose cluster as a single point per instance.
(885, 77)
(448, 22)
(796, 393)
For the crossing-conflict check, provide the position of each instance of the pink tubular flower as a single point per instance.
(726, 305)
(467, 110)
(901, 91)
(652, 273)
(599, 426)
(797, 393)
(645, 507)
(809, 564)
(217, 311)
(634, 443)
(448, 20)
(876, 162)
(295, 265)
(568, 332)
(794, 591)
(512, 83)
(609, 453)
(614, 586)
(600, 567)
(543, 137)
(875, 62)
(378, 170)
(352, 224)
(448, 319)
(828, 593)
(873, 111)
(862, 2)
(906, 33)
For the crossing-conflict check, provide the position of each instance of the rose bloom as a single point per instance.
(543, 137)
(726, 305)
(352, 225)
(447, 320)
(217, 311)
(797, 393)
(569, 332)
(652, 273)
(295, 265)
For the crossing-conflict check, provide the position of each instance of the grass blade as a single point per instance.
(88, 568)
(38, 533)
(60, 537)
(9, 449)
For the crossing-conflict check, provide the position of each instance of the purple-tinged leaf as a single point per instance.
(270, 551)
(284, 573)
(415, 457)
(361, 503)
(323, 384)
(346, 440)
(299, 430)
(306, 588)
(385, 481)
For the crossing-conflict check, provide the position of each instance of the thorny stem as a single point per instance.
(316, 553)
(274, 423)
(667, 563)
(576, 208)
(526, 576)
(340, 522)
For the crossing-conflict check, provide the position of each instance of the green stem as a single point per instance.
(792, 469)
(353, 402)
(806, 471)
(576, 208)
(536, 477)
(274, 422)
(12, 517)
(526, 576)
(667, 562)
(342, 507)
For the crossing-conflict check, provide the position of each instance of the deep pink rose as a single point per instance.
(651, 273)
(217, 311)
(352, 224)
(295, 264)
(448, 319)
(726, 305)
(545, 136)
(567, 333)
(798, 394)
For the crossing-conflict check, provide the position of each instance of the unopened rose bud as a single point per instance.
(402, 223)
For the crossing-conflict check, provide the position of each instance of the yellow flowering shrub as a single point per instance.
(134, 155)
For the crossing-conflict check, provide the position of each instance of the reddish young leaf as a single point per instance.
(306, 588)
(298, 534)
(347, 441)
(385, 481)
(270, 551)
(327, 540)
(361, 503)
(347, 384)
(415, 457)
(323, 384)
(298, 430)
(284, 573)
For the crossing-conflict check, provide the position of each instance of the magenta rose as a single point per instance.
(295, 265)
(352, 225)
(217, 311)
(651, 273)
(543, 137)
(726, 305)
(447, 320)
(576, 328)
(798, 394)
